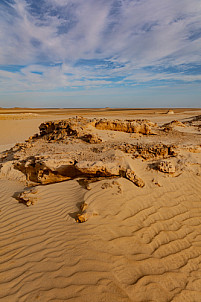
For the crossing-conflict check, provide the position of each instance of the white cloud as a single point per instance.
(143, 32)
(130, 34)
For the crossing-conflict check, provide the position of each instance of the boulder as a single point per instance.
(130, 175)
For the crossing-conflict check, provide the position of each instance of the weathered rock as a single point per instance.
(97, 168)
(91, 138)
(8, 171)
(44, 172)
(50, 171)
(72, 127)
(130, 175)
(194, 122)
(28, 197)
(125, 126)
(149, 151)
(82, 218)
(174, 123)
(170, 111)
(166, 167)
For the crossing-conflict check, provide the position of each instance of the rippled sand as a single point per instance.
(144, 244)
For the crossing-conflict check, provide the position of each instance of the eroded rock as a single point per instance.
(97, 168)
(131, 175)
(139, 126)
(148, 152)
(166, 167)
(171, 125)
(170, 111)
(28, 197)
(91, 138)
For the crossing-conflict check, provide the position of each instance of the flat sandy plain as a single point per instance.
(140, 240)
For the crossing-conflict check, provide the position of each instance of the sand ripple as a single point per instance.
(142, 245)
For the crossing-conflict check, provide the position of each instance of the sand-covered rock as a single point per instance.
(131, 175)
(28, 197)
(138, 126)
(170, 111)
(166, 167)
(149, 151)
(91, 138)
(44, 172)
(194, 122)
(174, 123)
(98, 168)
(8, 171)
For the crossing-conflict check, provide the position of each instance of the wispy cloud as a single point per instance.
(76, 44)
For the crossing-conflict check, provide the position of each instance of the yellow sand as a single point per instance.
(143, 244)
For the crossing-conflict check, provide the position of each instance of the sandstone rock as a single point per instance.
(170, 111)
(166, 167)
(91, 138)
(130, 175)
(57, 130)
(194, 122)
(97, 168)
(53, 131)
(72, 127)
(50, 171)
(125, 126)
(148, 152)
(174, 123)
(81, 218)
(28, 197)
(40, 171)
(8, 171)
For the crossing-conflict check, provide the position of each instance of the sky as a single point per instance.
(100, 53)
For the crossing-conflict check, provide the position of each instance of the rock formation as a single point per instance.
(149, 151)
(138, 126)
(174, 123)
(28, 197)
(131, 175)
(74, 148)
(170, 111)
(47, 171)
(166, 167)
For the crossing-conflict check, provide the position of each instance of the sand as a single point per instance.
(138, 243)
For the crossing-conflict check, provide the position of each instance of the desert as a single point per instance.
(100, 151)
(100, 205)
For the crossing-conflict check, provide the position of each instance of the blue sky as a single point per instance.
(97, 53)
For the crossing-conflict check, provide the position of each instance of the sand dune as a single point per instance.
(138, 244)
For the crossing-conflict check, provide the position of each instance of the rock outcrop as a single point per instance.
(131, 175)
(170, 111)
(72, 127)
(77, 128)
(149, 151)
(166, 167)
(170, 126)
(28, 197)
(48, 171)
(194, 122)
(91, 138)
(138, 126)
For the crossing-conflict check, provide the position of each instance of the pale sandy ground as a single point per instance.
(144, 244)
